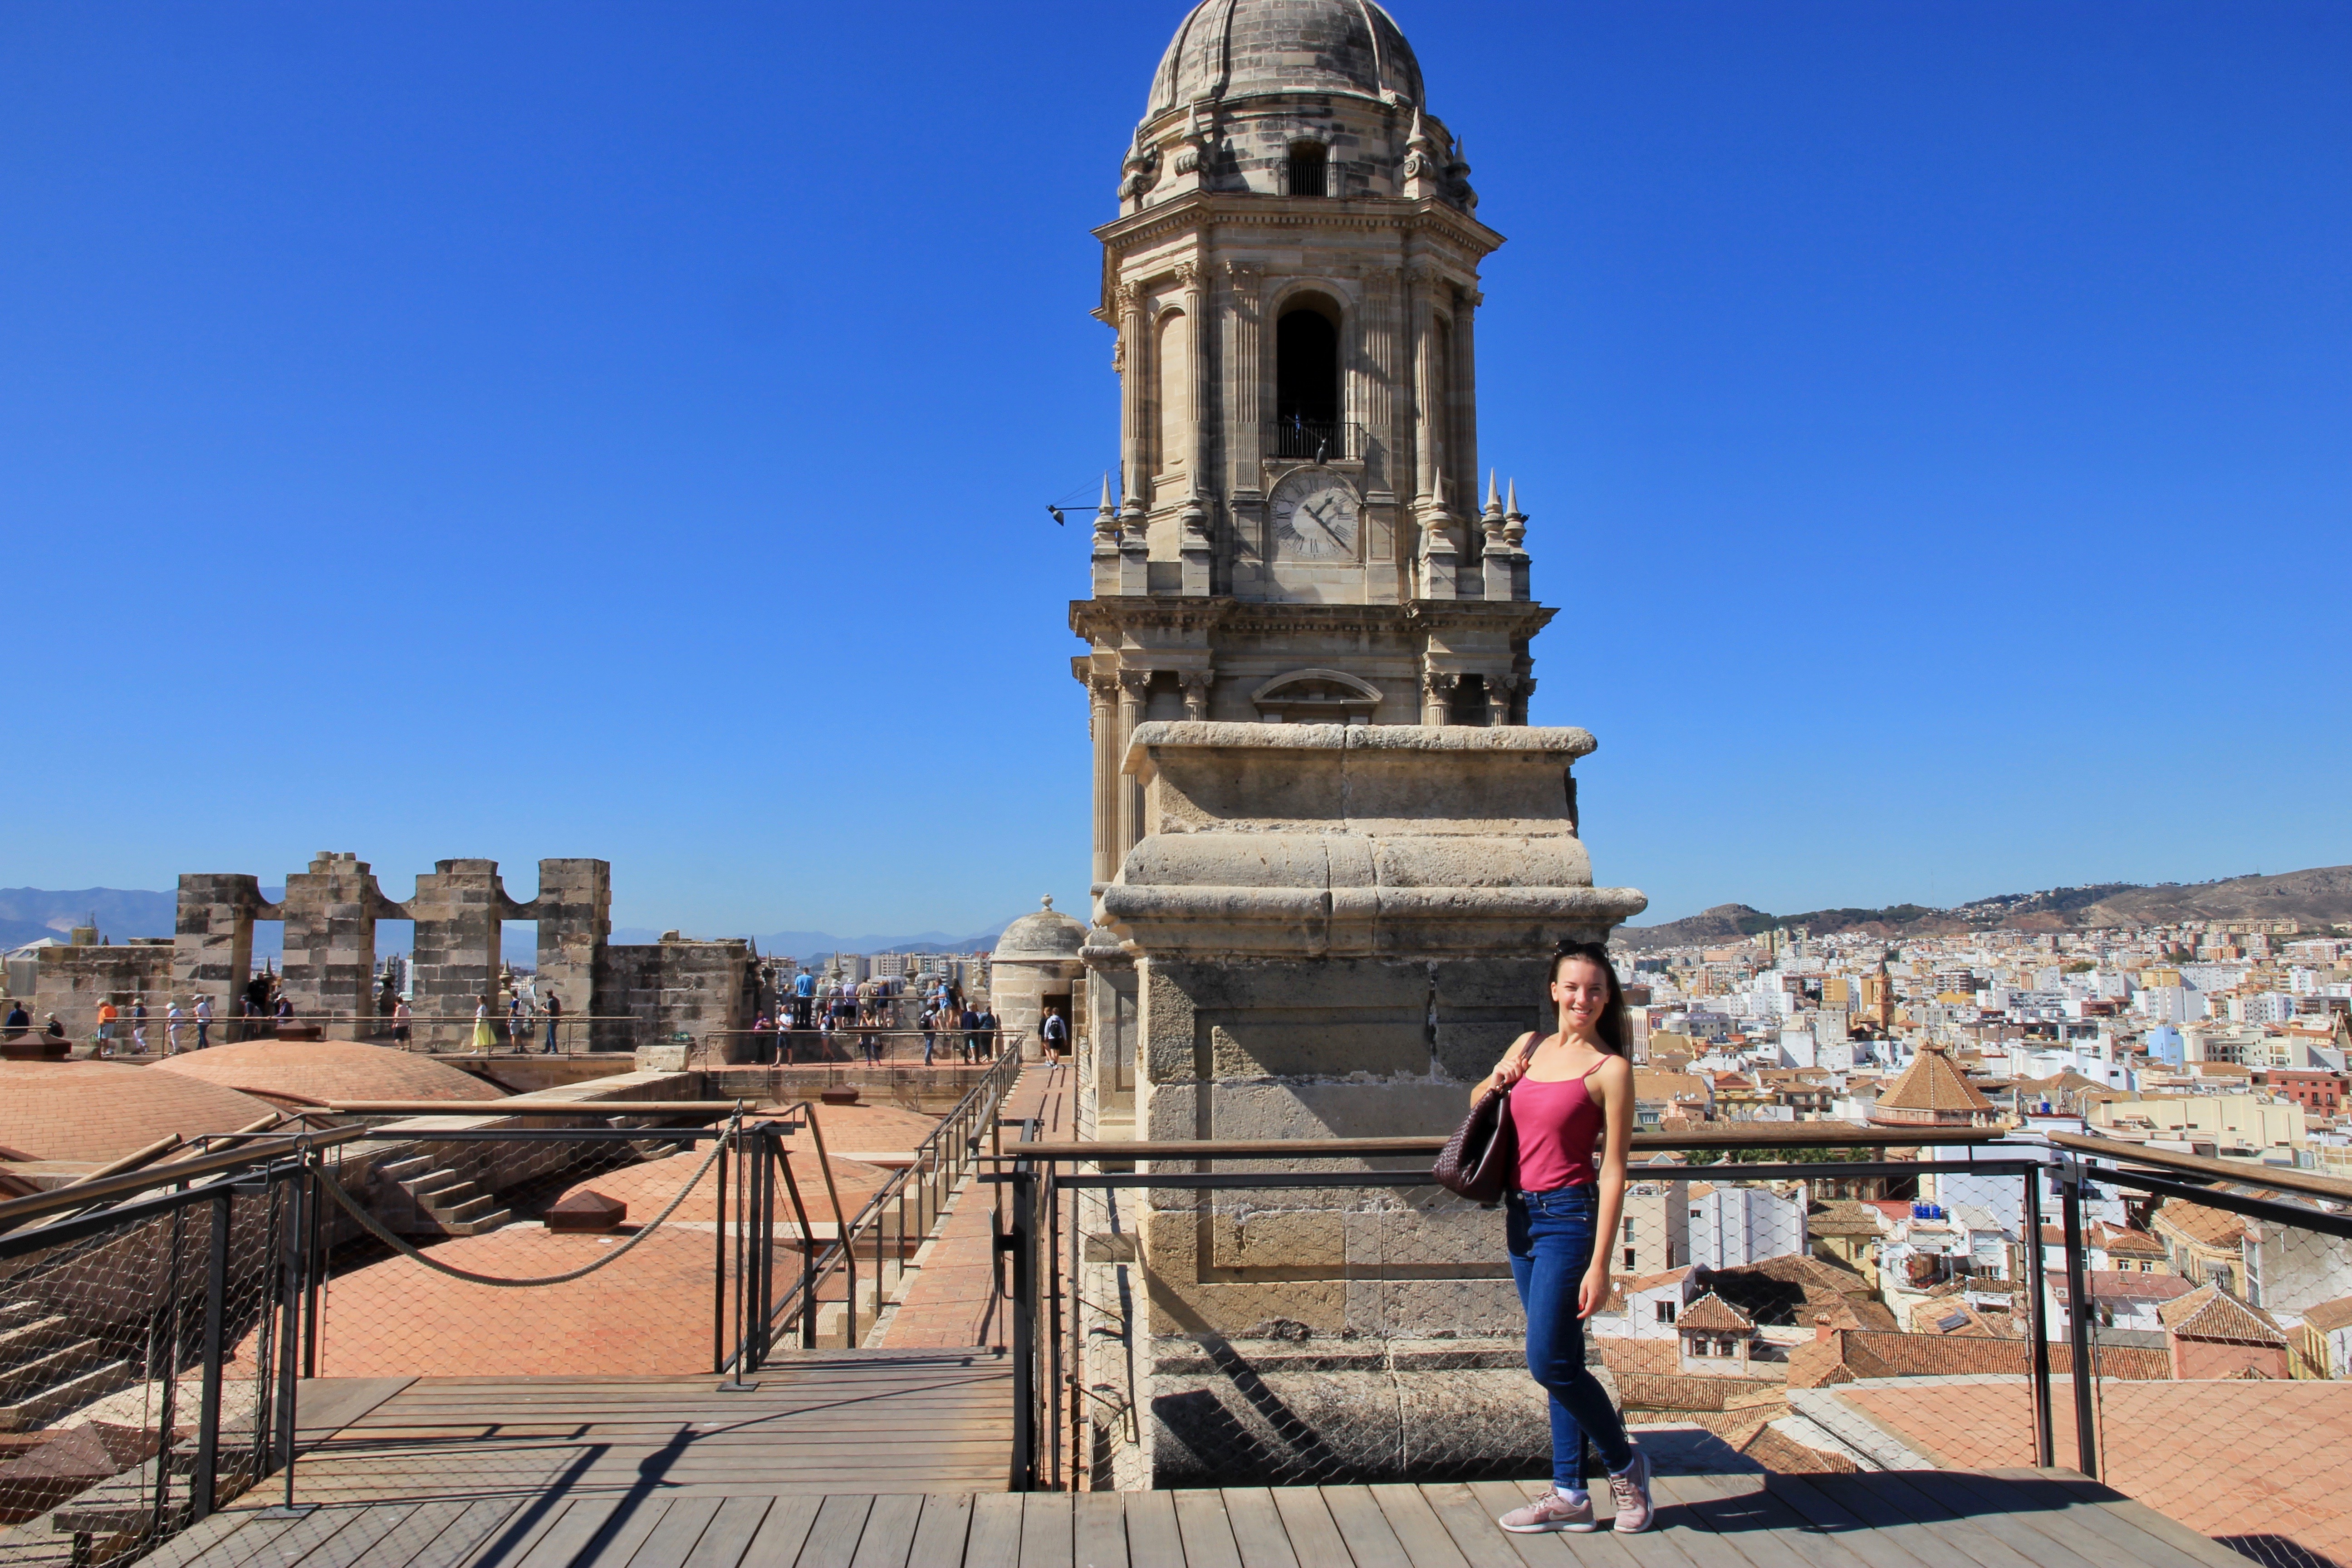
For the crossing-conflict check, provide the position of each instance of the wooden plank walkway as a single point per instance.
(1939, 1519)
(820, 1422)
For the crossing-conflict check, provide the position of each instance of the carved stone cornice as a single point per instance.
(1202, 210)
(1102, 620)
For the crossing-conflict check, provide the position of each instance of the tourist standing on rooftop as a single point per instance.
(106, 1016)
(203, 1020)
(172, 1017)
(555, 1011)
(138, 1026)
(483, 1038)
(400, 1018)
(1571, 1090)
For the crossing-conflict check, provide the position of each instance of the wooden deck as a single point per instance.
(819, 1423)
(1939, 1519)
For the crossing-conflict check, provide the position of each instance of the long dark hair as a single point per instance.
(1610, 1025)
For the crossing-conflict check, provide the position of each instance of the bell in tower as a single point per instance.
(1293, 277)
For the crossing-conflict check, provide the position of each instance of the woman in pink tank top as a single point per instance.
(1572, 1105)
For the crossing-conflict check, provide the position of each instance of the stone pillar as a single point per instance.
(1337, 931)
(1105, 727)
(1134, 685)
(1421, 287)
(330, 914)
(1134, 371)
(1196, 692)
(1387, 574)
(212, 940)
(1244, 422)
(1436, 693)
(574, 911)
(1194, 549)
(1462, 396)
(1440, 551)
(457, 907)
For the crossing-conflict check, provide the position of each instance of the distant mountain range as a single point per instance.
(2319, 898)
(29, 914)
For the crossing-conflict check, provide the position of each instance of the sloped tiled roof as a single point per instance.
(1712, 1314)
(1932, 1082)
(2212, 1313)
(2123, 1285)
(1843, 1217)
(2329, 1316)
(2205, 1226)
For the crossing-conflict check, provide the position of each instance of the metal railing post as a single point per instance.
(2078, 1316)
(1022, 1244)
(2037, 1317)
(297, 1284)
(208, 1411)
(719, 1269)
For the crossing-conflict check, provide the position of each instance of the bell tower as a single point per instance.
(1295, 534)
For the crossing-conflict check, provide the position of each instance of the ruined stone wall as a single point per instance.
(678, 987)
(75, 980)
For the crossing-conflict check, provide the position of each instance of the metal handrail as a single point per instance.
(2243, 1171)
(841, 1256)
(15, 1211)
(1750, 1135)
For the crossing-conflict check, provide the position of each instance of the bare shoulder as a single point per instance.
(1613, 1073)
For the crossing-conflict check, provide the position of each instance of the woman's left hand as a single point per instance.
(1594, 1291)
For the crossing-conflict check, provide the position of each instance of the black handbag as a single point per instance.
(1481, 1160)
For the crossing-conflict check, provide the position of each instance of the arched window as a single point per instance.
(1307, 383)
(1310, 169)
(1174, 359)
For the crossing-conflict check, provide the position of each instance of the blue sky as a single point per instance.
(505, 429)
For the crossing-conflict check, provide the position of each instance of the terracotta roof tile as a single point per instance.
(2212, 1313)
(1932, 1082)
(1712, 1314)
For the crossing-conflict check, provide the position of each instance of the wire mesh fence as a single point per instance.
(2217, 1320)
(1223, 1322)
(141, 1359)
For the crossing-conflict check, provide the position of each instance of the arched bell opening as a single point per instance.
(1306, 382)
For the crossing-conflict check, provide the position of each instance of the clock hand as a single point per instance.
(1325, 526)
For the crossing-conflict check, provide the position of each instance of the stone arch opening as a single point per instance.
(1316, 697)
(1306, 379)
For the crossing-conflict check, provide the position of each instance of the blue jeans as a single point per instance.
(1551, 1238)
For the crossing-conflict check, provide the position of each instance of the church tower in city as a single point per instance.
(1297, 533)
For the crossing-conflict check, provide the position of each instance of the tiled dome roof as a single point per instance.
(323, 1070)
(1242, 49)
(102, 1110)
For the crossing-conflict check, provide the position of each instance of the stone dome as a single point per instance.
(1243, 48)
(1047, 936)
(102, 1110)
(317, 1071)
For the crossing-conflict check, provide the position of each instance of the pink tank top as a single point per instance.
(1559, 1126)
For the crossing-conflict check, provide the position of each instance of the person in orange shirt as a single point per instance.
(105, 1016)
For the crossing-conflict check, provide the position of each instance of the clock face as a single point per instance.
(1315, 518)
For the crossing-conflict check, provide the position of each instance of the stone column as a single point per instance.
(1462, 424)
(457, 907)
(1420, 285)
(1194, 548)
(574, 911)
(331, 915)
(1134, 685)
(1103, 724)
(1244, 422)
(1196, 693)
(212, 940)
(1437, 691)
(1133, 372)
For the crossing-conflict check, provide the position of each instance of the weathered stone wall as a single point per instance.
(677, 987)
(75, 980)
(1336, 931)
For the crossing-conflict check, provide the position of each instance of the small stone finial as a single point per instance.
(1515, 522)
(1047, 902)
(1493, 502)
